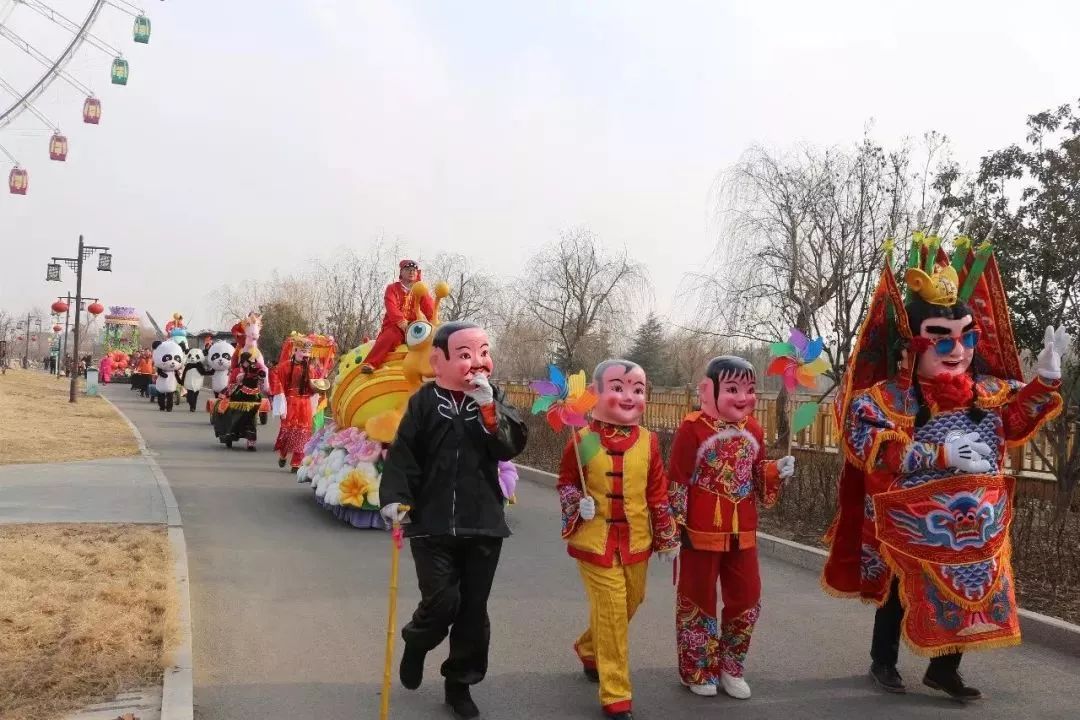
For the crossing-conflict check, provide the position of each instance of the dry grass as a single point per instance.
(38, 424)
(86, 612)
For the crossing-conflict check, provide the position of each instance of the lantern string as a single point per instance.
(33, 52)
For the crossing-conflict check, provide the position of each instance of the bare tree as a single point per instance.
(803, 240)
(350, 287)
(472, 290)
(581, 294)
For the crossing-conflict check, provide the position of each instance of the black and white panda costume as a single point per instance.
(192, 377)
(219, 359)
(168, 359)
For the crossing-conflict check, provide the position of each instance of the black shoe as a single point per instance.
(412, 667)
(281, 462)
(887, 678)
(592, 674)
(624, 715)
(460, 701)
(953, 685)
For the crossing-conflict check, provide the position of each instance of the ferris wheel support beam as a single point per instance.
(12, 158)
(29, 106)
(33, 52)
(126, 7)
(7, 116)
(70, 25)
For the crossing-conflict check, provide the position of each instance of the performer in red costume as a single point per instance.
(718, 474)
(400, 312)
(925, 506)
(294, 398)
(613, 524)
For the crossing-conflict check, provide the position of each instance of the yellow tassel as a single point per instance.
(735, 519)
(718, 515)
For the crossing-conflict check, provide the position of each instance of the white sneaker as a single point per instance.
(735, 687)
(703, 690)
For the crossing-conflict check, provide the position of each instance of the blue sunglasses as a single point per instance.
(944, 346)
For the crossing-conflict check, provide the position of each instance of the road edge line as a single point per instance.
(177, 692)
(1044, 630)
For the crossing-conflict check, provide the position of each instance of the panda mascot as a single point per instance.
(219, 359)
(192, 377)
(168, 359)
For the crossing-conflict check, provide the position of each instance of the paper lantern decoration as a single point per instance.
(57, 328)
(142, 29)
(33, 339)
(119, 71)
(58, 147)
(91, 111)
(18, 181)
(59, 307)
(95, 308)
(19, 339)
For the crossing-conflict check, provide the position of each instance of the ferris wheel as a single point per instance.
(50, 55)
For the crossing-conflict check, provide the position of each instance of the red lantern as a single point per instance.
(91, 111)
(33, 339)
(59, 307)
(18, 181)
(57, 328)
(58, 147)
(19, 338)
(95, 308)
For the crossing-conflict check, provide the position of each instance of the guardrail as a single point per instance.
(667, 407)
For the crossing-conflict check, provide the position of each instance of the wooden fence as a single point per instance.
(667, 407)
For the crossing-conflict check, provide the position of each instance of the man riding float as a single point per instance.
(401, 310)
(925, 506)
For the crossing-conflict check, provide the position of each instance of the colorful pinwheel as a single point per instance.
(798, 360)
(565, 401)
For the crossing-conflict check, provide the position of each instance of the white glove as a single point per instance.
(393, 513)
(280, 406)
(785, 466)
(481, 390)
(586, 508)
(968, 453)
(669, 555)
(1055, 346)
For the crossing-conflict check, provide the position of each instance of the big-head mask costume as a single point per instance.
(923, 438)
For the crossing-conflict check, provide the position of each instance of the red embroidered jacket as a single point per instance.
(718, 472)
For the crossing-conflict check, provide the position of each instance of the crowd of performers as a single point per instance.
(932, 398)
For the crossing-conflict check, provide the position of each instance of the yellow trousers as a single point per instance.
(614, 596)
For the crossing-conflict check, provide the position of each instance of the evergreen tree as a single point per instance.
(648, 350)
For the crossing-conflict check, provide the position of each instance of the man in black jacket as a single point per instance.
(443, 466)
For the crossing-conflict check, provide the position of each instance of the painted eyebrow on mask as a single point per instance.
(938, 330)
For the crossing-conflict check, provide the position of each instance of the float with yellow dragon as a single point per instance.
(343, 459)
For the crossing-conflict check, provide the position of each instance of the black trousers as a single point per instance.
(192, 399)
(885, 647)
(165, 401)
(455, 576)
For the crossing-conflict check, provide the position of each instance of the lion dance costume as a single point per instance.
(925, 507)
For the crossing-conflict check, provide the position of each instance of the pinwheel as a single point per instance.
(565, 402)
(799, 362)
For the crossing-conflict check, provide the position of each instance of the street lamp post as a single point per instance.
(76, 264)
(63, 348)
(31, 318)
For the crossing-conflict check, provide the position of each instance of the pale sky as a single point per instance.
(251, 139)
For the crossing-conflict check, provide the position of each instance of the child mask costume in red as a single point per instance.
(718, 474)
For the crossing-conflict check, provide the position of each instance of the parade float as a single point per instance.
(121, 339)
(343, 459)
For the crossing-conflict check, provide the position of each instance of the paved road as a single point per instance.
(117, 490)
(289, 611)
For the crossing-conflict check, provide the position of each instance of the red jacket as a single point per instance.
(400, 305)
(718, 473)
